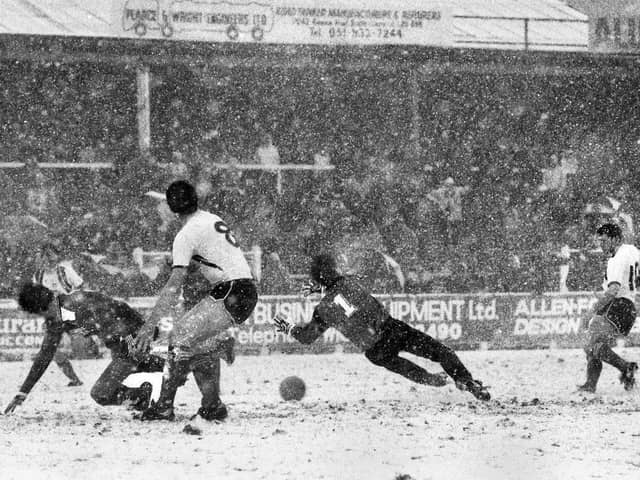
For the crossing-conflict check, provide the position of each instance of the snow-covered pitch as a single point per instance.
(357, 421)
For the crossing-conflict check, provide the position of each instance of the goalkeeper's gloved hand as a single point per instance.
(282, 324)
(310, 287)
(17, 400)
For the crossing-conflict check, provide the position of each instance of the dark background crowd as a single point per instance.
(461, 182)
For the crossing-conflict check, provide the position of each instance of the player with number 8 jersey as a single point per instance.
(207, 240)
(355, 313)
(195, 340)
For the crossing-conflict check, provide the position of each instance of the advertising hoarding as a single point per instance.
(464, 321)
(326, 22)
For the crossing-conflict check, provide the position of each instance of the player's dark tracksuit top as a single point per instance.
(351, 310)
(89, 313)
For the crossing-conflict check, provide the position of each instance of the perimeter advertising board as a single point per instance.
(614, 25)
(315, 22)
(461, 321)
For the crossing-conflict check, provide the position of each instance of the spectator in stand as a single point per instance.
(40, 196)
(401, 242)
(267, 153)
(178, 167)
(449, 198)
(562, 167)
(322, 158)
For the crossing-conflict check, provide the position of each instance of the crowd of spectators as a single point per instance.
(486, 183)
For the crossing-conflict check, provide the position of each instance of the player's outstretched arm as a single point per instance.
(304, 334)
(167, 300)
(39, 366)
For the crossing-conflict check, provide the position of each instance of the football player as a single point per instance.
(354, 312)
(89, 313)
(205, 240)
(615, 312)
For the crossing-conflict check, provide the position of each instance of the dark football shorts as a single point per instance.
(621, 313)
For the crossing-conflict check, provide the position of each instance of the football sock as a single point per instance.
(409, 370)
(175, 376)
(67, 369)
(454, 367)
(206, 373)
(594, 368)
(609, 356)
(424, 346)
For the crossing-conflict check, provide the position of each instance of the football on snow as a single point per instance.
(292, 388)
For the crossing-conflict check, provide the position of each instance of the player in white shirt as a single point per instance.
(615, 313)
(59, 277)
(196, 337)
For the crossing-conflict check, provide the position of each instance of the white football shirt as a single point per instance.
(61, 279)
(207, 240)
(623, 268)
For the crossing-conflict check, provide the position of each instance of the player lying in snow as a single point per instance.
(90, 313)
(355, 313)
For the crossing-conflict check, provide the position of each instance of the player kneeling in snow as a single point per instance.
(89, 313)
(355, 313)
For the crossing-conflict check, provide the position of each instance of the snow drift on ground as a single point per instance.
(357, 421)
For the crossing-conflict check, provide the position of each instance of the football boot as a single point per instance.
(475, 388)
(155, 412)
(217, 413)
(628, 377)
